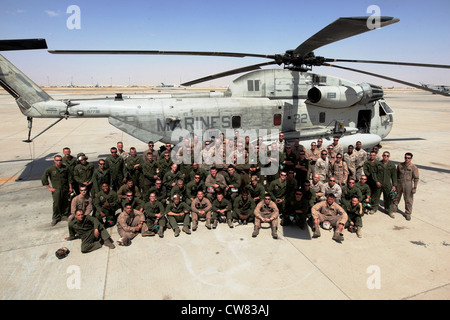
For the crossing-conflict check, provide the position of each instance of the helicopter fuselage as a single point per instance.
(302, 105)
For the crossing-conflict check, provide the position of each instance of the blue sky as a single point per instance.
(263, 26)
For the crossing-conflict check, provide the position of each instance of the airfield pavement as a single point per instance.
(395, 259)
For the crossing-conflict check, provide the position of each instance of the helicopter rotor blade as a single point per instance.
(388, 78)
(158, 52)
(340, 29)
(22, 44)
(391, 62)
(229, 73)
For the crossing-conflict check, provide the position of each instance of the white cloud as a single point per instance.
(52, 13)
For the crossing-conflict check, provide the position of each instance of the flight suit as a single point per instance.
(313, 155)
(371, 171)
(60, 179)
(164, 166)
(256, 193)
(277, 190)
(348, 193)
(234, 180)
(70, 163)
(192, 188)
(310, 197)
(200, 171)
(85, 230)
(302, 170)
(365, 190)
(122, 192)
(170, 179)
(351, 161)
(220, 205)
(100, 177)
(361, 157)
(335, 189)
(182, 192)
(210, 182)
(116, 169)
(298, 210)
(150, 211)
(354, 214)
(333, 213)
(161, 194)
(244, 210)
(290, 159)
(387, 175)
(83, 173)
(339, 171)
(181, 207)
(147, 174)
(319, 187)
(322, 168)
(131, 171)
(107, 204)
(127, 223)
(81, 203)
(136, 203)
(268, 211)
(196, 207)
(407, 178)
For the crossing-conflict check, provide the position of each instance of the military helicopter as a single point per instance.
(293, 100)
(440, 87)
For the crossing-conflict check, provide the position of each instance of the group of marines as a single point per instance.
(151, 192)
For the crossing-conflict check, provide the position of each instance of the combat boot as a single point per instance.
(208, 224)
(338, 236)
(109, 243)
(359, 232)
(176, 232)
(255, 232)
(274, 233)
(148, 233)
(186, 230)
(230, 223)
(194, 225)
(161, 232)
(316, 233)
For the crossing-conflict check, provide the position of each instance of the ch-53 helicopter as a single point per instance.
(301, 104)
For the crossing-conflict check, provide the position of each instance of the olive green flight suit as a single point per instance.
(85, 230)
(244, 210)
(371, 171)
(116, 168)
(387, 175)
(60, 178)
(108, 204)
(150, 211)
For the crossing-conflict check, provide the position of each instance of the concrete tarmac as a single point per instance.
(395, 259)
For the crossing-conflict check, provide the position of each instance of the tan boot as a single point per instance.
(274, 233)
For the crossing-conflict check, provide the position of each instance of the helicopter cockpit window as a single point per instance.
(277, 119)
(385, 109)
(253, 85)
(236, 122)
